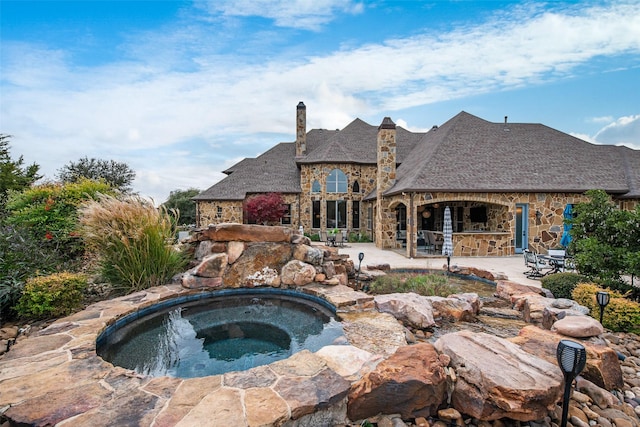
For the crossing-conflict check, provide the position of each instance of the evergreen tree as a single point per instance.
(13, 174)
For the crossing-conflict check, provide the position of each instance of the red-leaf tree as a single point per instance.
(265, 208)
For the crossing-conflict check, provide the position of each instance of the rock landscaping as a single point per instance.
(394, 370)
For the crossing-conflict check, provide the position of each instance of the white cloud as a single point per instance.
(305, 14)
(623, 131)
(602, 119)
(59, 112)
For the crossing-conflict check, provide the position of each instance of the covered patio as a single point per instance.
(479, 228)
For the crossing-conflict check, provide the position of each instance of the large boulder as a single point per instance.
(253, 261)
(297, 273)
(377, 333)
(578, 327)
(456, 307)
(231, 232)
(412, 382)
(561, 308)
(602, 368)
(410, 308)
(507, 290)
(497, 379)
(212, 266)
(544, 311)
(308, 254)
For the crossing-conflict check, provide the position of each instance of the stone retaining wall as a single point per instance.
(240, 255)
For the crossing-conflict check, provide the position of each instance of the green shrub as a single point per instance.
(424, 284)
(620, 315)
(132, 240)
(561, 285)
(358, 238)
(21, 256)
(48, 212)
(54, 295)
(313, 237)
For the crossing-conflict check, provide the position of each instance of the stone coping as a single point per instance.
(55, 375)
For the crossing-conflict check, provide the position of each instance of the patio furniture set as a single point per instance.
(540, 265)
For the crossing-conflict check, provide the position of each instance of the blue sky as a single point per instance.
(181, 90)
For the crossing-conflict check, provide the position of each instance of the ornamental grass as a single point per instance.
(132, 240)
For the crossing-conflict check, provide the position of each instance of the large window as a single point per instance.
(355, 214)
(336, 214)
(337, 182)
(315, 220)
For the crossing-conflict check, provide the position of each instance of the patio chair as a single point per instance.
(323, 237)
(537, 267)
(429, 242)
(339, 241)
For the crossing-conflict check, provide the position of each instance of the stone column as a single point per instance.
(386, 177)
(301, 130)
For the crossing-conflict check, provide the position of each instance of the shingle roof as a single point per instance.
(465, 154)
(470, 154)
(273, 171)
(356, 143)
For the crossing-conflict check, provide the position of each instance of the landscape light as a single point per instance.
(603, 300)
(571, 357)
(360, 258)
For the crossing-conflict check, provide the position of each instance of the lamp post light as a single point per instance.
(571, 357)
(360, 258)
(603, 300)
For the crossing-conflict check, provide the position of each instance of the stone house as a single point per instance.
(506, 184)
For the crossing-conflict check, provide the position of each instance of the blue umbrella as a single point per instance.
(447, 233)
(568, 214)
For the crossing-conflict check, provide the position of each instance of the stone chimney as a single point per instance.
(386, 155)
(386, 177)
(301, 130)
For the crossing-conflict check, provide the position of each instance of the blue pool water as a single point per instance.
(230, 331)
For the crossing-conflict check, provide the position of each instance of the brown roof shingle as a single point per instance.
(470, 154)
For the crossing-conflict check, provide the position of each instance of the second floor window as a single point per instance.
(337, 182)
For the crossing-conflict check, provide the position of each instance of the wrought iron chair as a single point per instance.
(537, 268)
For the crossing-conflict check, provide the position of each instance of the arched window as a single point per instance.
(356, 187)
(315, 187)
(337, 182)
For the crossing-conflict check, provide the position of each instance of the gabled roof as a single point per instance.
(465, 154)
(273, 171)
(356, 143)
(471, 154)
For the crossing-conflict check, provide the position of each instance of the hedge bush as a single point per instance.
(620, 315)
(562, 285)
(55, 295)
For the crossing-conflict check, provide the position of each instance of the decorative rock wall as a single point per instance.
(237, 255)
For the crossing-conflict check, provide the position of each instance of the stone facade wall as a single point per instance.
(365, 175)
(545, 220)
(208, 213)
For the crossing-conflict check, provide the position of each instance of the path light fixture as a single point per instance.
(360, 258)
(571, 357)
(603, 299)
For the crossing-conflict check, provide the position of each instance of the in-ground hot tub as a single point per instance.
(217, 332)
